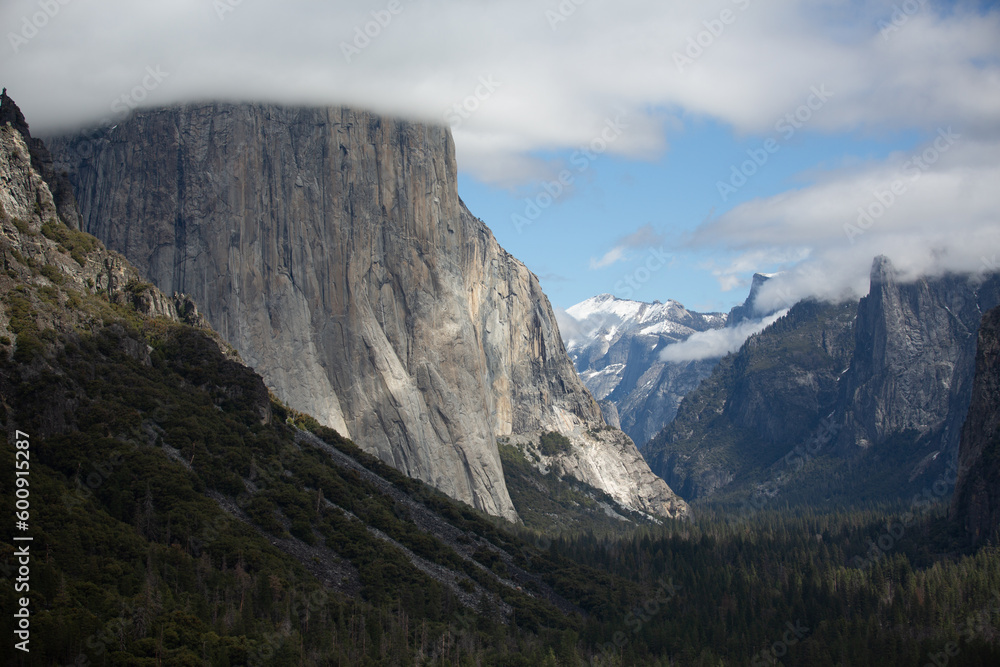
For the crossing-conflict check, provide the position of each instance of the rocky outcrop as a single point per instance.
(41, 160)
(330, 247)
(60, 281)
(976, 501)
(747, 311)
(886, 382)
(33, 233)
(616, 345)
(914, 358)
(759, 403)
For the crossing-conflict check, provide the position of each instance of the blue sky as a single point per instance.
(896, 147)
(674, 193)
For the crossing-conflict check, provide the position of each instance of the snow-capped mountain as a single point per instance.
(616, 346)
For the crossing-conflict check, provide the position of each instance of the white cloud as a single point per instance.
(730, 276)
(559, 86)
(716, 343)
(569, 327)
(642, 238)
(612, 256)
(944, 217)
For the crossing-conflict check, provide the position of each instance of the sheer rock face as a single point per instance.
(893, 374)
(914, 357)
(976, 502)
(330, 247)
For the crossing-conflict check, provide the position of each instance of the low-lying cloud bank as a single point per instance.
(517, 77)
(716, 343)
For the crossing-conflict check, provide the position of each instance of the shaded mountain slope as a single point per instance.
(180, 515)
(976, 502)
(758, 403)
(876, 391)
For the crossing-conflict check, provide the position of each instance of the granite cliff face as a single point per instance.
(330, 247)
(914, 358)
(976, 501)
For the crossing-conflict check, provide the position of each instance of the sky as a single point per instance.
(653, 150)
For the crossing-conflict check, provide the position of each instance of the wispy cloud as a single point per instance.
(732, 274)
(612, 256)
(929, 221)
(642, 238)
(716, 343)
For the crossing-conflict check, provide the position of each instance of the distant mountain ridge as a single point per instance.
(619, 347)
(616, 346)
(890, 376)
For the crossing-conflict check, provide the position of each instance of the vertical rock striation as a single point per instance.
(914, 357)
(330, 247)
(976, 502)
(892, 375)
